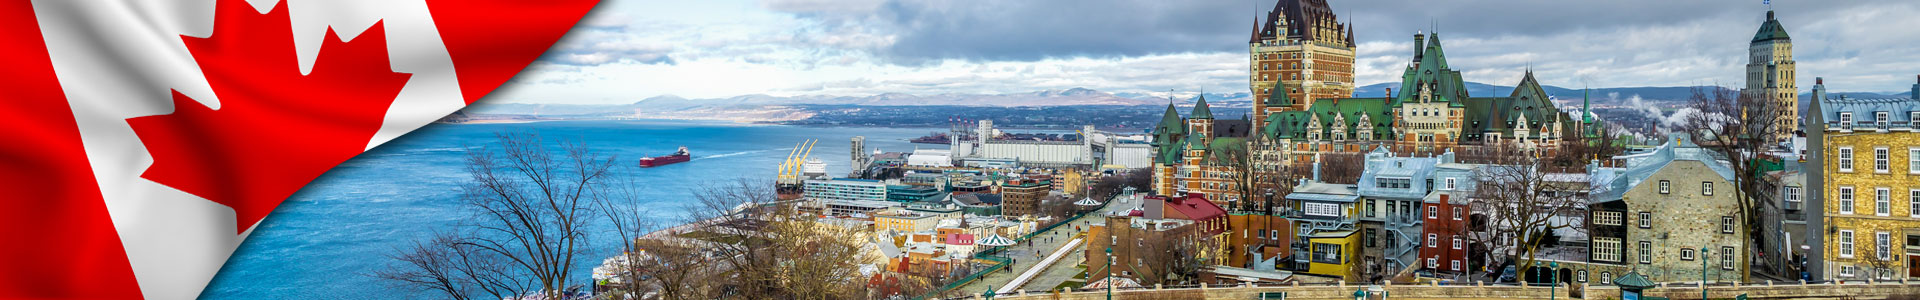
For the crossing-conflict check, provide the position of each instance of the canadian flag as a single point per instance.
(144, 139)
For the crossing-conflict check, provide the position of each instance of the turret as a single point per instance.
(1916, 88)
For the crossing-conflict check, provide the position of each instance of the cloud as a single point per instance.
(723, 48)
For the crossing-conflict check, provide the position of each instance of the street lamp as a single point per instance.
(1110, 280)
(1703, 272)
(1554, 268)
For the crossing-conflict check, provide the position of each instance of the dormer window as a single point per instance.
(1881, 121)
(1913, 120)
(1846, 121)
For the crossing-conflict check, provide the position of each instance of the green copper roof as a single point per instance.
(1295, 124)
(1200, 110)
(1633, 280)
(1277, 96)
(1222, 148)
(1770, 30)
(1170, 122)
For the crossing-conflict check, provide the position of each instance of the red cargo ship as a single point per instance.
(677, 157)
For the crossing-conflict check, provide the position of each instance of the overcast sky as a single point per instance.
(633, 49)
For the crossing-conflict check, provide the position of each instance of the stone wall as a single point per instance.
(1849, 290)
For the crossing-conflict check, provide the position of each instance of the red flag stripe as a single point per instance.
(59, 240)
(476, 33)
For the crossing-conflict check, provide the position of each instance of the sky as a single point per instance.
(628, 50)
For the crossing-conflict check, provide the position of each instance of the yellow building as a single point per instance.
(1870, 178)
(1770, 72)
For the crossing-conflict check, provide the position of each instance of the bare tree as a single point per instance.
(1171, 257)
(621, 203)
(1740, 126)
(1522, 205)
(771, 252)
(532, 208)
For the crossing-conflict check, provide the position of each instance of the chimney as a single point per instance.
(1419, 41)
(1389, 92)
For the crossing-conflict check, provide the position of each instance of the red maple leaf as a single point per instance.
(276, 130)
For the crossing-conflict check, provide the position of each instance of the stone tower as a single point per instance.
(1302, 52)
(1770, 74)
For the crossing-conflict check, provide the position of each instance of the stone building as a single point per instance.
(1431, 113)
(1671, 214)
(1199, 154)
(1770, 73)
(1870, 180)
(1299, 51)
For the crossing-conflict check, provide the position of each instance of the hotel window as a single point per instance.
(1882, 246)
(1846, 121)
(1880, 160)
(1726, 257)
(1606, 249)
(1606, 277)
(1706, 188)
(1846, 159)
(1846, 200)
(1583, 276)
(1607, 218)
(1882, 201)
(1726, 224)
(1458, 243)
(1666, 187)
(1646, 252)
(1646, 219)
(1846, 243)
(1686, 253)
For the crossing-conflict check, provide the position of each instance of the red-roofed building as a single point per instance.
(1194, 207)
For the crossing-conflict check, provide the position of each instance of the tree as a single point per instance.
(771, 252)
(1171, 257)
(1522, 205)
(1740, 126)
(531, 210)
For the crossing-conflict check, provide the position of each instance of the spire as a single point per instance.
(1200, 110)
(1586, 106)
(1256, 31)
(1170, 122)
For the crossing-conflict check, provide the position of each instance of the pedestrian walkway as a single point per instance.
(1027, 254)
(1036, 269)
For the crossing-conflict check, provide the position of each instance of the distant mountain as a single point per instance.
(777, 108)
(1476, 89)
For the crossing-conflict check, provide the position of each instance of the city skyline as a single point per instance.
(630, 50)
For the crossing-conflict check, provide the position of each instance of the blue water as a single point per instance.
(325, 241)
